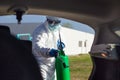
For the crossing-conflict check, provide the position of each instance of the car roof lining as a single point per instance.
(92, 13)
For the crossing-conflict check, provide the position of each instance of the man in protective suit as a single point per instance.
(45, 46)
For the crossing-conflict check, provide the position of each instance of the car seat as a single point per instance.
(16, 61)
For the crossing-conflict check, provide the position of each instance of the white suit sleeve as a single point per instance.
(39, 44)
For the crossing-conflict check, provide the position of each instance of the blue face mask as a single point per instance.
(54, 27)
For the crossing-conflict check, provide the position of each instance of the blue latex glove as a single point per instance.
(53, 53)
(62, 46)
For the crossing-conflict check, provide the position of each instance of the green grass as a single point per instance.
(80, 67)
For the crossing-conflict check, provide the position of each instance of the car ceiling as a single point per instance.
(91, 12)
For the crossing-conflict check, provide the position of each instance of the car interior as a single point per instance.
(102, 15)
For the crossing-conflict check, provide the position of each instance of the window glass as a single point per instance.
(80, 43)
(78, 39)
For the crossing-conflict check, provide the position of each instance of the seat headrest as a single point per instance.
(4, 28)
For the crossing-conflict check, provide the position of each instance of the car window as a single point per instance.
(78, 37)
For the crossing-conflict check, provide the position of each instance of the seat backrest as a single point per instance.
(27, 44)
(16, 61)
(4, 28)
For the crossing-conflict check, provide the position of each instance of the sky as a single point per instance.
(42, 18)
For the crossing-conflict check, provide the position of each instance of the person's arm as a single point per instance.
(39, 42)
(39, 46)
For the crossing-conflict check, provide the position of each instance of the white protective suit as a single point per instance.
(43, 41)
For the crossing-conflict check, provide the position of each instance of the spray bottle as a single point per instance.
(62, 64)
